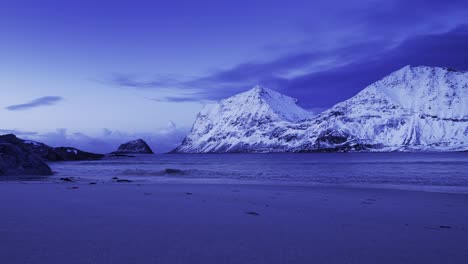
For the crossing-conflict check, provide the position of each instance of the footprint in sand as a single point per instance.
(252, 213)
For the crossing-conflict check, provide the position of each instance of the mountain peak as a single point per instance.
(223, 125)
(409, 70)
(258, 89)
(414, 108)
(261, 101)
(434, 91)
(261, 91)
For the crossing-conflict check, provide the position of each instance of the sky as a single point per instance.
(94, 74)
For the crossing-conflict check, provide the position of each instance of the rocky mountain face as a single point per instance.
(412, 109)
(138, 146)
(17, 159)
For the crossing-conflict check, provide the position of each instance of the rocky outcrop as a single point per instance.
(16, 159)
(44, 151)
(68, 153)
(49, 153)
(138, 146)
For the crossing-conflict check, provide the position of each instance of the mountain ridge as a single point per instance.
(412, 109)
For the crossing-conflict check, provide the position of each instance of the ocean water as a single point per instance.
(423, 171)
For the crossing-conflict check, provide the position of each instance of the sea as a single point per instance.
(440, 172)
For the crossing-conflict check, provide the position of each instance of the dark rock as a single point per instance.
(138, 146)
(332, 137)
(68, 153)
(16, 159)
(173, 171)
(26, 157)
(49, 153)
(44, 151)
(332, 140)
(66, 179)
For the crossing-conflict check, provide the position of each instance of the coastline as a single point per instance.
(48, 222)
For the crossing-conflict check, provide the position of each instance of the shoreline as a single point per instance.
(174, 180)
(48, 222)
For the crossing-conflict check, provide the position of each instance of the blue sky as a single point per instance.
(95, 74)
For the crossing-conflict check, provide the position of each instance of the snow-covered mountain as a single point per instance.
(243, 122)
(412, 109)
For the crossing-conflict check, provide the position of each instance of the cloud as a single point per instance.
(17, 132)
(42, 101)
(163, 139)
(322, 85)
(328, 87)
(346, 48)
(175, 99)
(158, 81)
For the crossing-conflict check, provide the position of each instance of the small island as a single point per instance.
(138, 146)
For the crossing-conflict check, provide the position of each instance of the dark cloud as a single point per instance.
(348, 48)
(332, 86)
(42, 101)
(325, 87)
(366, 64)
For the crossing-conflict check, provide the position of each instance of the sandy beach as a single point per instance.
(51, 222)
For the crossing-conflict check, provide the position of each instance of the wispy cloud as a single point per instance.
(161, 140)
(347, 49)
(158, 81)
(42, 101)
(177, 99)
(17, 132)
(309, 77)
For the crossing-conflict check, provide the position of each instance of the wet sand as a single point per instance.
(66, 222)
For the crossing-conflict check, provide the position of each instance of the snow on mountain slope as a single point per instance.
(259, 103)
(242, 122)
(412, 109)
(429, 90)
